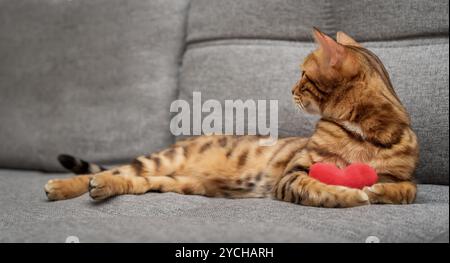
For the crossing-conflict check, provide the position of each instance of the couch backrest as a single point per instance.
(251, 49)
(93, 78)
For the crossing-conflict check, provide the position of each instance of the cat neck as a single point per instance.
(361, 98)
(366, 108)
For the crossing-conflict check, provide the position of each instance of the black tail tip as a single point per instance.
(67, 161)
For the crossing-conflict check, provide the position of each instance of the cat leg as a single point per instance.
(130, 180)
(392, 193)
(158, 164)
(157, 172)
(61, 189)
(301, 189)
(124, 181)
(297, 187)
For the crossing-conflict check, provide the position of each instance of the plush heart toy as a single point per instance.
(356, 175)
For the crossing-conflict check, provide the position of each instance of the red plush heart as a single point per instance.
(356, 175)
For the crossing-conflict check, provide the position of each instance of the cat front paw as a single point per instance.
(391, 193)
(336, 197)
(60, 189)
(374, 192)
(99, 188)
(53, 190)
(349, 197)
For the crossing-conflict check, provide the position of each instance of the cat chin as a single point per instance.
(312, 109)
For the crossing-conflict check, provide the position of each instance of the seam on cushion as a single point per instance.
(181, 57)
(254, 38)
(309, 40)
(415, 45)
(246, 41)
(185, 34)
(277, 43)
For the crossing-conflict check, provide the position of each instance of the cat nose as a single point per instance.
(294, 89)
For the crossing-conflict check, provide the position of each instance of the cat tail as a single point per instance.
(78, 166)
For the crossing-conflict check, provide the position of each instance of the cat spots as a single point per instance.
(250, 184)
(259, 151)
(170, 153)
(217, 181)
(223, 142)
(242, 159)
(281, 164)
(298, 168)
(157, 161)
(187, 190)
(259, 176)
(172, 176)
(250, 181)
(205, 147)
(137, 165)
(186, 151)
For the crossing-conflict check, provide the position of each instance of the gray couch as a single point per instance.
(95, 78)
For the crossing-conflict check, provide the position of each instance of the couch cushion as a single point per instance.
(27, 217)
(263, 69)
(293, 19)
(91, 78)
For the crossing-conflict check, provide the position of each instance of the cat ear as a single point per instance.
(345, 39)
(333, 52)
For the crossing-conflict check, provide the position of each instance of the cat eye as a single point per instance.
(311, 81)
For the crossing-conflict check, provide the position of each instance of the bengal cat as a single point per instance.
(362, 120)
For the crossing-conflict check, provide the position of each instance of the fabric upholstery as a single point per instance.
(93, 78)
(293, 19)
(27, 217)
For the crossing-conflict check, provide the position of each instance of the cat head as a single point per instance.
(339, 74)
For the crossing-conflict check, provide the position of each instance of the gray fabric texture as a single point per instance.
(262, 69)
(293, 19)
(93, 78)
(27, 217)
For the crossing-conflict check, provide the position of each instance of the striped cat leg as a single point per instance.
(61, 189)
(157, 172)
(129, 180)
(297, 187)
(392, 193)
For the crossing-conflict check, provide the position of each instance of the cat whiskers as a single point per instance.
(298, 103)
